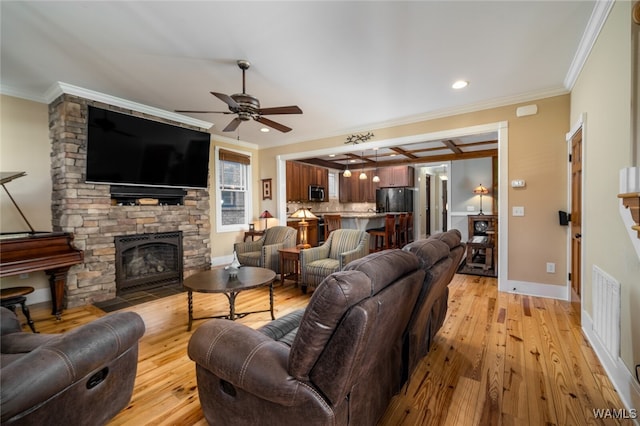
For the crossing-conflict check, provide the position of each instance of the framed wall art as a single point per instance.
(266, 189)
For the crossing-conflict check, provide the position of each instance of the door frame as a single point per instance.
(579, 125)
(503, 175)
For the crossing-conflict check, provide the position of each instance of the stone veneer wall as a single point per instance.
(86, 211)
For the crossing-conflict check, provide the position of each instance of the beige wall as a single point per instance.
(603, 92)
(537, 153)
(25, 146)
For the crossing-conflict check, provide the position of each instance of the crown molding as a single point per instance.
(63, 88)
(235, 142)
(594, 26)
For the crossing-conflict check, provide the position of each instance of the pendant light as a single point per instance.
(363, 175)
(347, 172)
(376, 178)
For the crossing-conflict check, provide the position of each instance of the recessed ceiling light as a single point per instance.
(393, 155)
(264, 130)
(332, 155)
(460, 84)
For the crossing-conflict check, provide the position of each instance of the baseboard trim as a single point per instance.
(534, 289)
(620, 376)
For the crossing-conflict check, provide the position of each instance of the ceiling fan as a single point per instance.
(247, 107)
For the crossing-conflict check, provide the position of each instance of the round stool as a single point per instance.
(10, 297)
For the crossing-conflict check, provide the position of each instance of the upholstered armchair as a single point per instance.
(342, 247)
(264, 252)
(82, 377)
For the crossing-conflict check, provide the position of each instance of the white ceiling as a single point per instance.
(350, 66)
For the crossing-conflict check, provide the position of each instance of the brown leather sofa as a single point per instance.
(82, 377)
(337, 362)
(439, 257)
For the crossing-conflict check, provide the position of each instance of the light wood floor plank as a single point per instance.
(499, 359)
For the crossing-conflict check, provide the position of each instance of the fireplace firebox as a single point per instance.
(147, 261)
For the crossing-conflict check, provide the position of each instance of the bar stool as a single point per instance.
(12, 296)
(401, 230)
(383, 238)
(409, 227)
(331, 223)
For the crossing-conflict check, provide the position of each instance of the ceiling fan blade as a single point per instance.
(271, 123)
(292, 109)
(232, 125)
(186, 111)
(226, 99)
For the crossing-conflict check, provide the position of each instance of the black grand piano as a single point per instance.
(51, 252)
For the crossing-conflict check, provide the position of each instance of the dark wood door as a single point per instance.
(445, 205)
(427, 213)
(576, 213)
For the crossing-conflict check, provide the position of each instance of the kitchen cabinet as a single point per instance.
(396, 176)
(355, 190)
(300, 176)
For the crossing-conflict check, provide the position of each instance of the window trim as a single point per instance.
(220, 228)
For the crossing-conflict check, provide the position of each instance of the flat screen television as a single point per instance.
(127, 150)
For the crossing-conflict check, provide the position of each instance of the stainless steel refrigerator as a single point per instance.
(394, 200)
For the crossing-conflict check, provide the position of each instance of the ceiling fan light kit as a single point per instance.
(247, 107)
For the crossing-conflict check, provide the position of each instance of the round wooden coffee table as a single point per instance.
(218, 281)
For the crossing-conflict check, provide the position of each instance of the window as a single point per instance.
(333, 185)
(233, 198)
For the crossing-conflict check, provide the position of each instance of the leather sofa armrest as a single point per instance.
(9, 322)
(66, 359)
(245, 358)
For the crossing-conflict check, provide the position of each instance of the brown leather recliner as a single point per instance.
(439, 256)
(82, 377)
(337, 362)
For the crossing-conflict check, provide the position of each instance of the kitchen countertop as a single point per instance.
(351, 215)
(357, 214)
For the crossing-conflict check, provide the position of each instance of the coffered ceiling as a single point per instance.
(441, 150)
(351, 66)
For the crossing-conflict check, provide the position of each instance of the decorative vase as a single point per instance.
(234, 266)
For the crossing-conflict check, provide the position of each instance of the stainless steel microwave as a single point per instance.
(316, 193)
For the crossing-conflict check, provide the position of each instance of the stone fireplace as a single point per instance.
(95, 219)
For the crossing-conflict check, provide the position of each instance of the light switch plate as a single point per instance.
(518, 183)
(518, 211)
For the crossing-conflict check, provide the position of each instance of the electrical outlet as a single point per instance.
(551, 267)
(518, 211)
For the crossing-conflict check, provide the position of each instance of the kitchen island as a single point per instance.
(361, 220)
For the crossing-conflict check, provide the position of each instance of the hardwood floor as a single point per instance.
(499, 359)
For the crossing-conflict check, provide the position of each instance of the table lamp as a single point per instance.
(303, 225)
(266, 216)
(482, 191)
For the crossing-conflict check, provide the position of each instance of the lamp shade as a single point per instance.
(266, 216)
(480, 190)
(303, 213)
